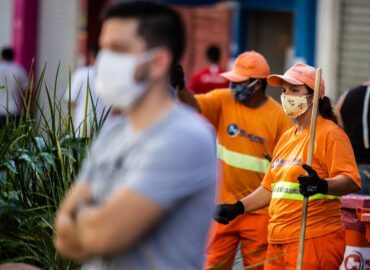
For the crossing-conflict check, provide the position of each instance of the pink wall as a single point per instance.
(24, 31)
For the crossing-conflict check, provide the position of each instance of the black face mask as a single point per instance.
(243, 93)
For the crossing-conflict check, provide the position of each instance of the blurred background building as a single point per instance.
(331, 34)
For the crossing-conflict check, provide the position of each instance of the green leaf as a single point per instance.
(25, 156)
(48, 157)
(40, 143)
(10, 165)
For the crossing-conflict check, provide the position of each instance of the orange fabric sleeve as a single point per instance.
(210, 104)
(339, 148)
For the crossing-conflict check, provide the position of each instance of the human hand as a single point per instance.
(228, 212)
(311, 184)
(66, 239)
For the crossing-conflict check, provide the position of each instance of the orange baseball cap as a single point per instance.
(299, 74)
(248, 65)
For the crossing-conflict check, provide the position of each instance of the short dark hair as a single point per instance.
(7, 54)
(213, 54)
(159, 25)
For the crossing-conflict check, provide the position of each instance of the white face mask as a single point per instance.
(115, 78)
(294, 106)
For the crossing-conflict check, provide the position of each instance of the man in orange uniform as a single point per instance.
(248, 125)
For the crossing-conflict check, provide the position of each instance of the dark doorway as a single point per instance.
(271, 34)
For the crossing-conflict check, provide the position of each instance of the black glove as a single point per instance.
(311, 184)
(177, 76)
(227, 212)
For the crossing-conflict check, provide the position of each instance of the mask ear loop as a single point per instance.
(309, 105)
(147, 56)
(309, 95)
(144, 59)
(253, 84)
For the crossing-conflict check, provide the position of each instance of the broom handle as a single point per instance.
(311, 144)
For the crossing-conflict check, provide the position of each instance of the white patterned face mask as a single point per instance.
(115, 78)
(294, 106)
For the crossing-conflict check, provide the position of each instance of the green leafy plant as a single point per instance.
(39, 159)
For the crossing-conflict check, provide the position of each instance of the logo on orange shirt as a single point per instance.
(286, 162)
(233, 130)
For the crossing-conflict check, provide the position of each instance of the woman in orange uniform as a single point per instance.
(289, 179)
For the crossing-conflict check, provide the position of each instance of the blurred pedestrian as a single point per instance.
(248, 124)
(209, 78)
(288, 180)
(13, 84)
(352, 110)
(83, 93)
(145, 196)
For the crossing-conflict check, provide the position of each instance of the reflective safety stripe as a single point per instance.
(242, 161)
(290, 191)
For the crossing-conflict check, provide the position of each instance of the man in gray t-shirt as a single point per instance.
(173, 164)
(145, 195)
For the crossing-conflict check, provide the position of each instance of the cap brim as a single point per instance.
(233, 77)
(277, 80)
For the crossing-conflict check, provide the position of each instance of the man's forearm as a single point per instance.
(80, 192)
(341, 185)
(185, 96)
(258, 199)
(102, 231)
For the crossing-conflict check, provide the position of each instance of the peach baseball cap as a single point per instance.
(298, 74)
(247, 65)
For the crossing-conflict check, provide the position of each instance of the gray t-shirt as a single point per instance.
(172, 163)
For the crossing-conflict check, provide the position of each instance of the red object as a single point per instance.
(364, 216)
(356, 219)
(25, 15)
(207, 80)
(354, 201)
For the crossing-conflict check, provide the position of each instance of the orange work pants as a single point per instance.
(320, 253)
(248, 229)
